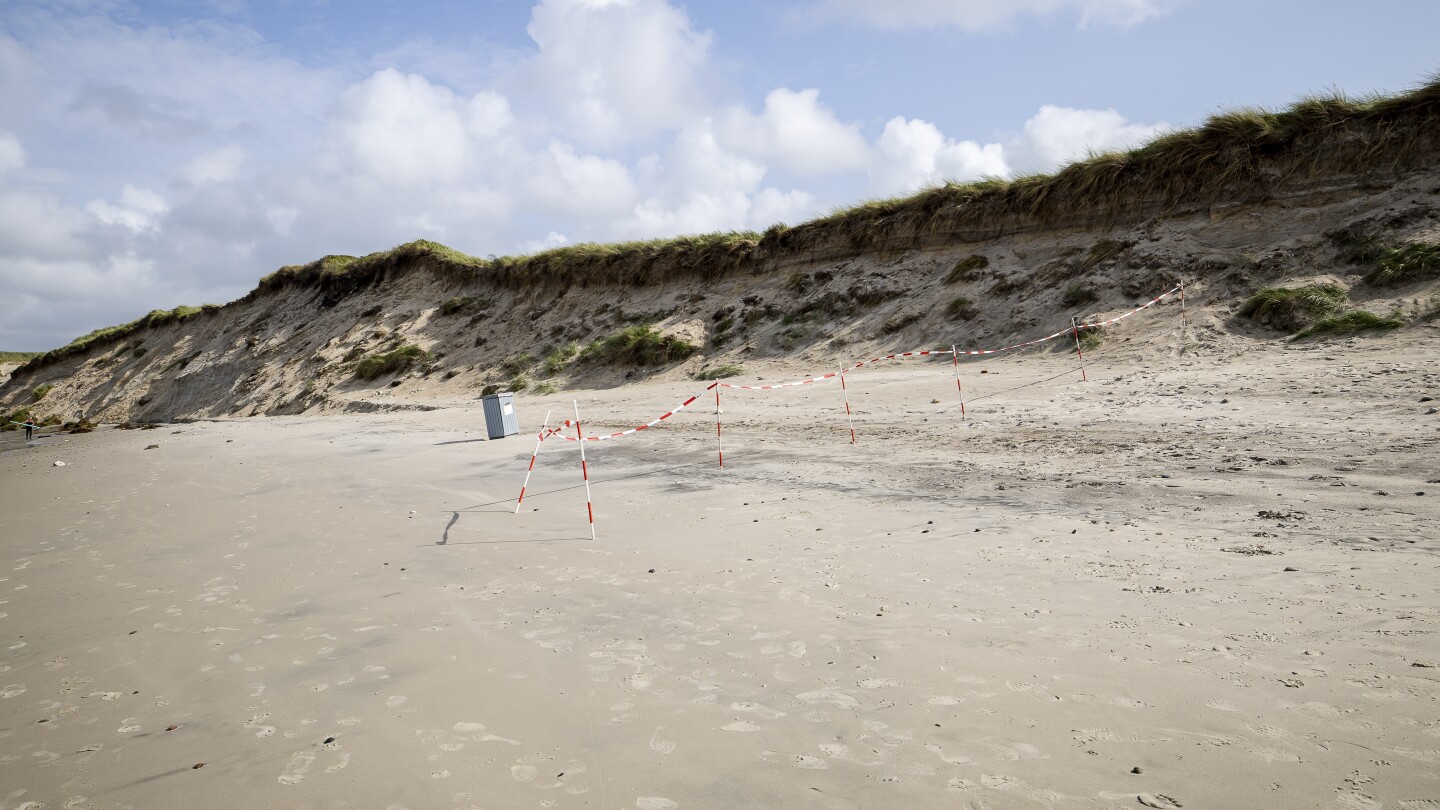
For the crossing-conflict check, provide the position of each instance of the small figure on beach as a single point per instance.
(29, 429)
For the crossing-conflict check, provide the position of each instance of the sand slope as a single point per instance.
(1217, 570)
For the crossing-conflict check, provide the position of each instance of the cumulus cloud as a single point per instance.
(401, 130)
(618, 69)
(795, 132)
(137, 210)
(218, 166)
(914, 153)
(984, 15)
(1057, 135)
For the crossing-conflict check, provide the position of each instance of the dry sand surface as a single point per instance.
(1193, 581)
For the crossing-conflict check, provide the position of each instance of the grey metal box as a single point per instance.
(500, 418)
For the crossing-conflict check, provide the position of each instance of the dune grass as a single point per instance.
(1291, 308)
(18, 357)
(1405, 264)
(40, 392)
(1078, 294)
(962, 309)
(967, 269)
(389, 363)
(637, 346)
(557, 359)
(720, 372)
(1348, 323)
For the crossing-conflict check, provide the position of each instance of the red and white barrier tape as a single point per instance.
(956, 353)
(636, 429)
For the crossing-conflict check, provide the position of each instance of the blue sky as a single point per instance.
(160, 153)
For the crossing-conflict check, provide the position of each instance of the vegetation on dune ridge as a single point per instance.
(1239, 155)
(111, 334)
(18, 357)
(1235, 155)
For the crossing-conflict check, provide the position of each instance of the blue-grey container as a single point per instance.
(500, 418)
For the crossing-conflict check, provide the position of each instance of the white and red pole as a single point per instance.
(719, 448)
(584, 468)
(1075, 325)
(845, 391)
(539, 437)
(955, 358)
(1184, 319)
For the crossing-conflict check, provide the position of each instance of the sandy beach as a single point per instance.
(1195, 580)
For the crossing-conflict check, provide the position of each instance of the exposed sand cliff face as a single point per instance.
(292, 350)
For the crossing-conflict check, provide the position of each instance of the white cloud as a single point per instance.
(913, 153)
(618, 69)
(139, 209)
(796, 132)
(984, 15)
(219, 166)
(1057, 135)
(12, 153)
(402, 130)
(581, 185)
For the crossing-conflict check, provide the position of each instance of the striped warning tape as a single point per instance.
(559, 431)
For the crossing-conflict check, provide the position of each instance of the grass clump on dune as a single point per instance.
(638, 346)
(1291, 308)
(1401, 265)
(962, 309)
(557, 359)
(392, 362)
(40, 392)
(18, 357)
(720, 372)
(967, 269)
(1079, 295)
(1349, 323)
(462, 303)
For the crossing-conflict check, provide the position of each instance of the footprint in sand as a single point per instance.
(524, 773)
(879, 683)
(339, 766)
(756, 708)
(469, 728)
(952, 759)
(998, 782)
(802, 761)
(12, 690)
(396, 701)
(826, 696)
(661, 745)
(944, 700)
(655, 803)
(741, 725)
(295, 771)
(1221, 705)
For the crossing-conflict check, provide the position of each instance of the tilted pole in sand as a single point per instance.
(1075, 325)
(844, 391)
(584, 469)
(955, 358)
(1184, 320)
(539, 437)
(719, 448)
